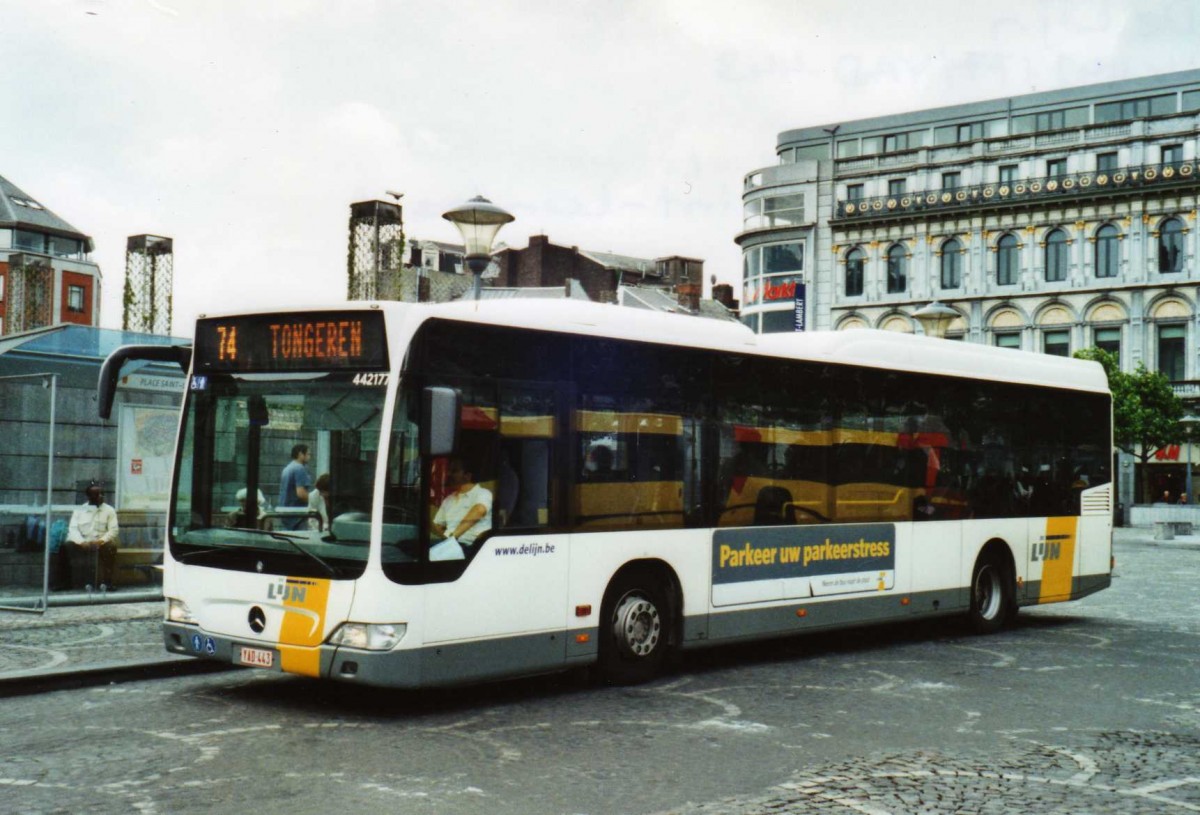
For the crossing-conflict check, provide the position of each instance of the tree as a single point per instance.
(1146, 411)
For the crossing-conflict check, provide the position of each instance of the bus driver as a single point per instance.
(466, 512)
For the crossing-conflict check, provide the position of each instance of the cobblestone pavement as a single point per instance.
(1112, 773)
(79, 636)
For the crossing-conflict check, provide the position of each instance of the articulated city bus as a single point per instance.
(652, 483)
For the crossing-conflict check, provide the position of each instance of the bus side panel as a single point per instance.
(1095, 545)
(935, 559)
(515, 585)
(596, 557)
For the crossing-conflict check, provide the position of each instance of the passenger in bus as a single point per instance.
(600, 460)
(466, 512)
(508, 488)
(294, 484)
(237, 518)
(318, 504)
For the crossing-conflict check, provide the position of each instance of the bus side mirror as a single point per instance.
(441, 412)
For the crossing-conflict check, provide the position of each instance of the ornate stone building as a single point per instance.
(1050, 222)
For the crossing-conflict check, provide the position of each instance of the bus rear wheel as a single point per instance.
(992, 601)
(635, 625)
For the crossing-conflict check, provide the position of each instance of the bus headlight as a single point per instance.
(178, 612)
(369, 636)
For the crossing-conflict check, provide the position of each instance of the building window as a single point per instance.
(1008, 173)
(951, 181)
(772, 272)
(1106, 163)
(1109, 339)
(1135, 108)
(1006, 261)
(31, 241)
(1107, 258)
(783, 210)
(1172, 153)
(1011, 339)
(1171, 357)
(951, 264)
(854, 192)
(894, 142)
(1056, 256)
(1056, 343)
(75, 299)
(1056, 167)
(1170, 246)
(897, 270)
(854, 272)
(896, 186)
(778, 322)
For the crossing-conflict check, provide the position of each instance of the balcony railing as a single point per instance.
(1024, 191)
(1188, 389)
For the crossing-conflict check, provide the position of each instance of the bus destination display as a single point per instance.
(292, 342)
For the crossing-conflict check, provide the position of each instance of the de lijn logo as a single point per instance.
(289, 591)
(772, 553)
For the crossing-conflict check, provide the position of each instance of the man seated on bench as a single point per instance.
(94, 526)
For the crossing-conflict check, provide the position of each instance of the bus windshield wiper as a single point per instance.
(279, 536)
(186, 556)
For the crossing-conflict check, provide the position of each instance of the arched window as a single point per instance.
(855, 259)
(897, 270)
(1006, 261)
(1107, 256)
(951, 264)
(1056, 256)
(1170, 246)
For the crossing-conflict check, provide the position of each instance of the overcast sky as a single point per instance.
(245, 129)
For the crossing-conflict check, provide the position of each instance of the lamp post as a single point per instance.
(478, 220)
(1189, 423)
(935, 319)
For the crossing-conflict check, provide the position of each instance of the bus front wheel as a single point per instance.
(992, 601)
(635, 625)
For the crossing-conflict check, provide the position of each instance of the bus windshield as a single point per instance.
(276, 472)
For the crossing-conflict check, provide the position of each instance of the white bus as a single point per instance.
(656, 483)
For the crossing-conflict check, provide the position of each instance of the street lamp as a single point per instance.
(478, 220)
(1189, 423)
(935, 318)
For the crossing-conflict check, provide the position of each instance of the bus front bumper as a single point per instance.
(395, 669)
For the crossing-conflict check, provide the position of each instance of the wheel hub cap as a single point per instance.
(637, 626)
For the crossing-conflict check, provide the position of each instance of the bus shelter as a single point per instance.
(53, 446)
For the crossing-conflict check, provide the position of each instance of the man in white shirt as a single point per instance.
(94, 526)
(466, 513)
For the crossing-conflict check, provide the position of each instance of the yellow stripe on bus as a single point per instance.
(1058, 570)
(604, 421)
(527, 427)
(303, 627)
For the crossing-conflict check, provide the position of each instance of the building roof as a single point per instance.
(573, 291)
(1008, 106)
(652, 299)
(80, 341)
(621, 263)
(19, 209)
(662, 300)
(450, 248)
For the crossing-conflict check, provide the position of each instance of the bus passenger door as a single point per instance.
(503, 609)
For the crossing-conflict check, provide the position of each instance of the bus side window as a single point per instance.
(528, 432)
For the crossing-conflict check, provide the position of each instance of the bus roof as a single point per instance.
(887, 350)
